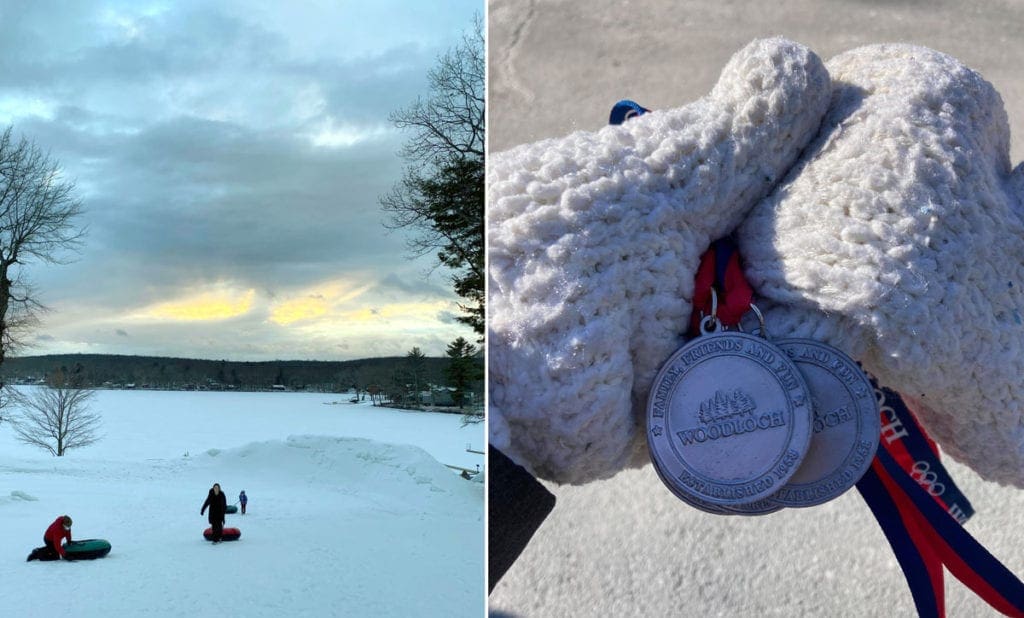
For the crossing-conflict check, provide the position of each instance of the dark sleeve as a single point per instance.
(206, 503)
(518, 504)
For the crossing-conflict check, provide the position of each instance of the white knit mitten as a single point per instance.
(594, 240)
(898, 237)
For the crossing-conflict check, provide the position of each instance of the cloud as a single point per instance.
(447, 317)
(332, 134)
(202, 306)
(14, 106)
(299, 309)
(416, 286)
(325, 300)
(220, 150)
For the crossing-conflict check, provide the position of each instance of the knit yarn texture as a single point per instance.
(898, 238)
(593, 242)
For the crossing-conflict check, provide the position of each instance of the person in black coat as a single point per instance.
(218, 504)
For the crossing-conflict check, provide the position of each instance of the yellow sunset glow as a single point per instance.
(324, 300)
(362, 321)
(298, 309)
(203, 307)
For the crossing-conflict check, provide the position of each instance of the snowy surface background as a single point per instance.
(626, 546)
(351, 511)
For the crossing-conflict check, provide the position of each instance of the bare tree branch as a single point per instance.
(55, 418)
(39, 221)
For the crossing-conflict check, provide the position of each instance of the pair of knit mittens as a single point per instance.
(874, 206)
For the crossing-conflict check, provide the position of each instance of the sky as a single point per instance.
(230, 157)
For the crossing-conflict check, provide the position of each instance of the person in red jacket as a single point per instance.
(59, 530)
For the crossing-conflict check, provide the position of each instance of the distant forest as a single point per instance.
(113, 371)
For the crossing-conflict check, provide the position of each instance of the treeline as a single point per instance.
(114, 371)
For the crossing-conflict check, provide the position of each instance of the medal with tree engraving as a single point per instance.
(728, 419)
(846, 424)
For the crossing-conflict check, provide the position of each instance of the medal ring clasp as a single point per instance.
(760, 320)
(710, 323)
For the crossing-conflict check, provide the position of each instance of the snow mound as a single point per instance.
(17, 496)
(355, 466)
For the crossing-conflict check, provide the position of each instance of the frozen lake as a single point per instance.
(141, 425)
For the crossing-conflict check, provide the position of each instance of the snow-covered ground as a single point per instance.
(352, 511)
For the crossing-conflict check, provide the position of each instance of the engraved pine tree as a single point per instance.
(734, 404)
(743, 403)
(705, 412)
(721, 406)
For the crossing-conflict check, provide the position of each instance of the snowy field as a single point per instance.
(351, 512)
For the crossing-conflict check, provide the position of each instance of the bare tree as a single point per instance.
(441, 195)
(450, 124)
(56, 417)
(38, 221)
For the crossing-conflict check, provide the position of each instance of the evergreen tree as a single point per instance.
(415, 367)
(462, 371)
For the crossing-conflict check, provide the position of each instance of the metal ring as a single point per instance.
(760, 320)
(709, 324)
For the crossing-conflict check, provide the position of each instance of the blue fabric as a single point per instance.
(624, 110)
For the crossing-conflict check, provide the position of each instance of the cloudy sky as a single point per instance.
(230, 156)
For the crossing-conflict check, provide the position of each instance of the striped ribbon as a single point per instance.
(923, 525)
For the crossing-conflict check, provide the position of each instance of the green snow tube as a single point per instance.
(231, 509)
(87, 549)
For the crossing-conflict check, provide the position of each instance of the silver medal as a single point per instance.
(729, 420)
(846, 424)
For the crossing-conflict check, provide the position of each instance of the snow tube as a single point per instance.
(43, 553)
(87, 549)
(229, 534)
(231, 509)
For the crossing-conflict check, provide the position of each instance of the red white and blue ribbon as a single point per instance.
(918, 454)
(720, 269)
(923, 525)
